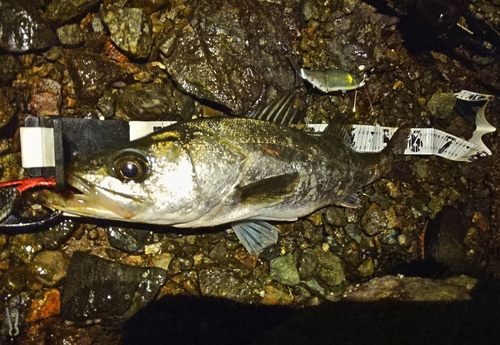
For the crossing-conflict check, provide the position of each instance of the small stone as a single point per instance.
(49, 267)
(63, 11)
(162, 260)
(374, 220)
(335, 216)
(44, 306)
(354, 232)
(441, 104)
(7, 110)
(276, 295)
(131, 31)
(366, 268)
(45, 97)
(390, 237)
(70, 35)
(284, 271)
(308, 264)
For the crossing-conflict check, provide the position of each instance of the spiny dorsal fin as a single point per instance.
(340, 129)
(286, 110)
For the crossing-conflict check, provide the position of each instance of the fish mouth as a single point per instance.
(90, 200)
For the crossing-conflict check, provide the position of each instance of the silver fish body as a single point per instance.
(214, 171)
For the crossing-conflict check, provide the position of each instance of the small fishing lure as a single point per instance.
(332, 80)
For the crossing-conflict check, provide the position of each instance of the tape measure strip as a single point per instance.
(37, 143)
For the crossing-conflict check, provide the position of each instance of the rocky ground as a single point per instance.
(427, 233)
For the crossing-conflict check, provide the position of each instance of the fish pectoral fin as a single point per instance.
(352, 201)
(255, 235)
(268, 191)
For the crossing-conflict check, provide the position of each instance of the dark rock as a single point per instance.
(127, 239)
(22, 29)
(71, 35)
(374, 220)
(147, 102)
(92, 74)
(7, 109)
(231, 53)
(98, 290)
(63, 11)
(9, 68)
(57, 234)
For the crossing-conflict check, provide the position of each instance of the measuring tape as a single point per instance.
(39, 151)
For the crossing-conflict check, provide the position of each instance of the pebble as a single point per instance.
(44, 306)
(49, 267)
(284, 271)
(374, 220)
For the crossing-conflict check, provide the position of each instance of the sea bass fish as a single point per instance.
(212, 171)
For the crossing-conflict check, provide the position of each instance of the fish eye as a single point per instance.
(131, 166)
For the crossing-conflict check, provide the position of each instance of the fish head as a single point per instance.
(148, 181)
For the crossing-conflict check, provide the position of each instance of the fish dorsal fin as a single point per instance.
(286, 110)
(339, 128)
(271, 190)
(255, 235)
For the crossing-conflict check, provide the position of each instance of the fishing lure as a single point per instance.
(332, 80)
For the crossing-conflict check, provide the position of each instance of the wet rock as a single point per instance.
(441, 104)
(107, 104)
(98, 290)
(7, 109)
(276, 295)
(25, 246)
(354, 232)
(308, 264)
(284, 271)
(53, 237)
(49, 267)
(14, 279)
(92, 74)
(162, 260)
(71, 35)
(444, 240)
(390, 237)
(127, 239)
(131, 31)
(9, 68)
(335, 216)
(374, 220)
(63, 11)
(46, 304)
(147, 102)
(148, 6)
(228, 283)
(45, 97)
(413, 289)
(22, 29)
(331, 270)
(366, 268)
(231, 53)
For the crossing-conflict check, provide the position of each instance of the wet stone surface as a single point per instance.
(102, 291)
(416, 232)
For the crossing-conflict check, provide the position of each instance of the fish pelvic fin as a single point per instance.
(255, 235)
